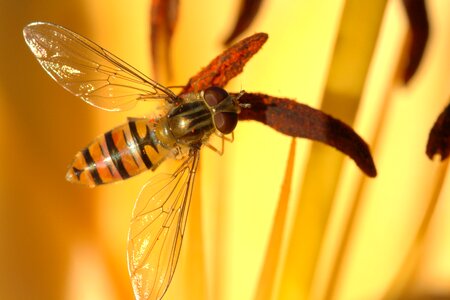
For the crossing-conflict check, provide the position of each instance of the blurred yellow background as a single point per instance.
(61, 241)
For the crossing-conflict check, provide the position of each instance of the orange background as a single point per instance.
(61, 241)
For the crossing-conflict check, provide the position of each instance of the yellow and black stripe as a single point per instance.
(119, 154)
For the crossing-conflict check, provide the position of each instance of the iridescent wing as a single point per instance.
(157, 229)
(88, 71)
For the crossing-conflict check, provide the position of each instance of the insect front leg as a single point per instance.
(210, 146)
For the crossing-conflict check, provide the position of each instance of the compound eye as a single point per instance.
(214, 95)
(225, 121)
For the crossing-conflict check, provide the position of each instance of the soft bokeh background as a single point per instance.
(60, 241)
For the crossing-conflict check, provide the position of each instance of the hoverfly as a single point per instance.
(185, 125)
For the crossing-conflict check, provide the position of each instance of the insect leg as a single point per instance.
(225, 137)
(220, 152)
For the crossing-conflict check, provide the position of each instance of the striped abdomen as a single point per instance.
(118, 154)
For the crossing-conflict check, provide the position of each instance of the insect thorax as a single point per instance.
(186, 124)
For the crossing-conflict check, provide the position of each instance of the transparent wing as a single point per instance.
(88, 71)
(157, 229)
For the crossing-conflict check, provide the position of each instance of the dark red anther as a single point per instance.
(247, 13)
(439, 138)
(284, 115)
(418, 22)
(299, 120)
(163, 20)
(227, 65)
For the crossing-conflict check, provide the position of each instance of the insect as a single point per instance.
(186, 124)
